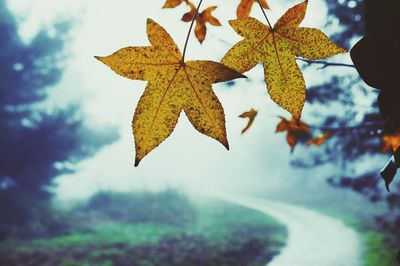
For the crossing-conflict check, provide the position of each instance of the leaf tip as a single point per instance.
(239, 75)
(226, 144)
(150, 21)
(243, 76)
(233, 21)
(387, 187)
(101, 59)
(296, 118)
(137, 161)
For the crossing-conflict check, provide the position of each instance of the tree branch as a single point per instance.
(324, 64)
(375, 125)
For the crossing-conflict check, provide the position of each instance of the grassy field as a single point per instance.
(154, 230)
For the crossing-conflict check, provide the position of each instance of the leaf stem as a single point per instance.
(190, 30)
(265, 15)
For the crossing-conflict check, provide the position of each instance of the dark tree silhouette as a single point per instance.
(35, 145)
(357, 131)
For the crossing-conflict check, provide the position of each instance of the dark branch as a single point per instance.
(377, 125)
(324, 64)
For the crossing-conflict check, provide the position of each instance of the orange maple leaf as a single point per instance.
(244, 8)
(173, 3)
(201, 19)
(294, 128)
(251, 115)
(173, 85)
(277, 49)
(391, 142)
(319, 140)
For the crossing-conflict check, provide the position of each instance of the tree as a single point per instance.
(35, 145)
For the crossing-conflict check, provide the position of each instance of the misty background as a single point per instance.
(66, 120)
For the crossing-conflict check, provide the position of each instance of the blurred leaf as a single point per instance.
(391, 142)
(173, 3)
(293, 128)
(377, 57)
(251, 115)
(173, 86)
(319, 140)
(244, 8)
(390, 170)
(277, 49)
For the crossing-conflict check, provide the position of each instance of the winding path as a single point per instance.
(314, 239)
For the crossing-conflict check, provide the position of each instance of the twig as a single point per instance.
(190, 30)
(265, 15)
(324, 63)
(376, 125)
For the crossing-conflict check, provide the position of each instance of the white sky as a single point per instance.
(258, 160)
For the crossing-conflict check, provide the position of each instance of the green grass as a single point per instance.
(106, 233)
(220, 235)
(378, 251)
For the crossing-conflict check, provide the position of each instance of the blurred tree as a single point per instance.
(35, 145)
(348, 108)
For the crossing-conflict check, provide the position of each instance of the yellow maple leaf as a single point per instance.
(277, 49)
(319, 140)
(244, 8)
(251, 115)
(173, 85)
(391, 142)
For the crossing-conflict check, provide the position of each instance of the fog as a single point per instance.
(258, 162)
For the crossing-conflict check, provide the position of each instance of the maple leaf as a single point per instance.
(173, 3)
(189, 16)
(244, 8)
(277, 49)
(319, 140)
(391, 142)
(294, 128)
(173, 86)
(251, 115)
(201, 19)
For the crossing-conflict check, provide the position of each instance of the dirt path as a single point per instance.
(314, 239)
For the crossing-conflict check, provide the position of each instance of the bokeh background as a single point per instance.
(67, 178)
